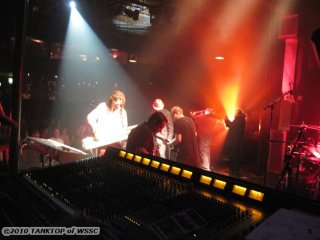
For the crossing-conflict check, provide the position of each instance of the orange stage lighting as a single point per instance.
(229, 99)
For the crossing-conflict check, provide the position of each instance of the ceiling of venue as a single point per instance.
(47, 19)
(110, 19)
(113, 20)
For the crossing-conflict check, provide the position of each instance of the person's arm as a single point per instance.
(92, 117)
(170, 127)
(125, 119)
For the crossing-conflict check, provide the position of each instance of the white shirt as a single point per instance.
(108, 126)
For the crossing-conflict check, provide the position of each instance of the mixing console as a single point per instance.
(135, 197)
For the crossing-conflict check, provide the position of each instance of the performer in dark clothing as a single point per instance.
(186, 138)
(205, 122)
(167, 132)
(234, 141)
(141, 138)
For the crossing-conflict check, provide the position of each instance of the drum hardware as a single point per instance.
(310, 177)
(315, 187)
(305, 160)
(271, 105)
(284, 182)
(303, 157)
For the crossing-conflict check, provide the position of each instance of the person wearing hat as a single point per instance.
(167, 132)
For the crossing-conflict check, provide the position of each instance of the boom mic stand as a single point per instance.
(271, 106)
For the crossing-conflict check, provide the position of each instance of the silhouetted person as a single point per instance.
(186, 138)
(141, 138)
(205, 122)
(234, 141)
(167, 132)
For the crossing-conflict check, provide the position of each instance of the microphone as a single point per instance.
(289, 96)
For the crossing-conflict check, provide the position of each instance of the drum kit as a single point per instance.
(303, 159)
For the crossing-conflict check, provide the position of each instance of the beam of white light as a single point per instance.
(88, 72)
(76, 19)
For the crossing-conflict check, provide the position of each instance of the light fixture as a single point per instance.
(72, 4)
(219, 58)
(10, 80)
(132, 58)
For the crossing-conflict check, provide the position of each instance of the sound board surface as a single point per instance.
(140, 197)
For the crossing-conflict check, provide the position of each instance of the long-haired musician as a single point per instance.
(109, 120)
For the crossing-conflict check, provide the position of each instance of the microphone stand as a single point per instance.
(271, 106)
(284, 182)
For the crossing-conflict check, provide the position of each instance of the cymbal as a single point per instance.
(313, 127)
(310, 148)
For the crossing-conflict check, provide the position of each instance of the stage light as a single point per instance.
(132, 58)
(114, 53)
(72, 4)
(219, 58)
